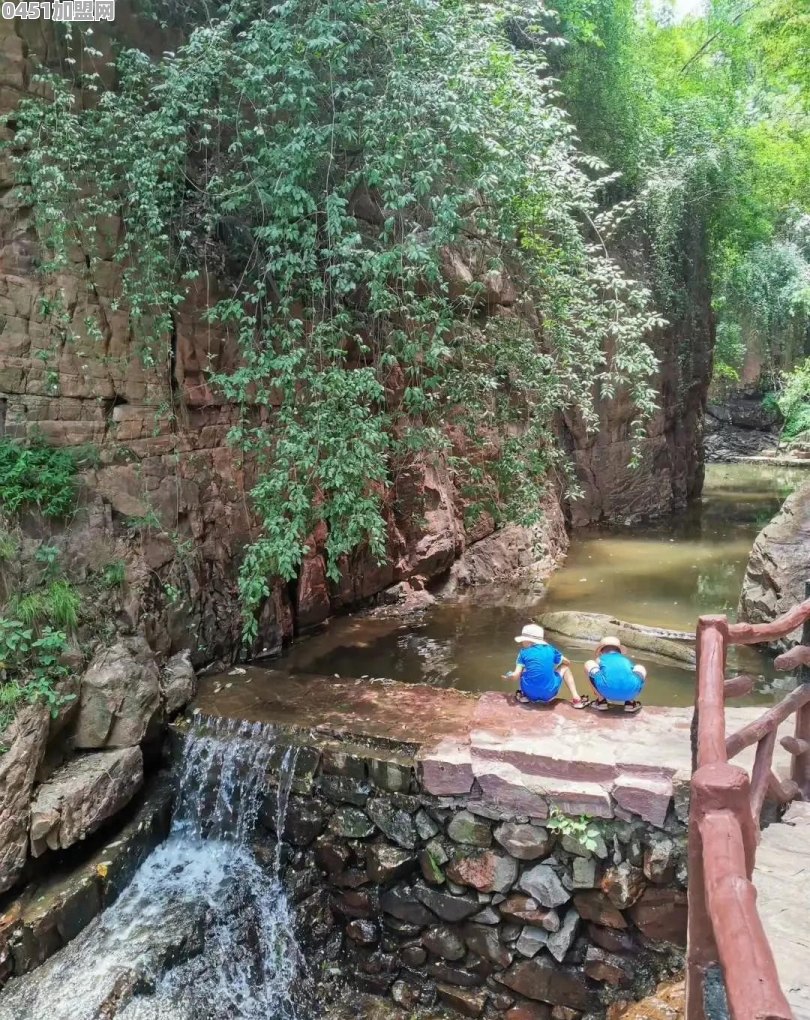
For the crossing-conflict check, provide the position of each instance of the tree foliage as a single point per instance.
(361, 176)
(708, 120)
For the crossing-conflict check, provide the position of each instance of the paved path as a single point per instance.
(782, 878)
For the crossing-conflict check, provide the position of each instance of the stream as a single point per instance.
(203, 931)
(662, 573)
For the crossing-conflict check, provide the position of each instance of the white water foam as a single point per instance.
(203, 931)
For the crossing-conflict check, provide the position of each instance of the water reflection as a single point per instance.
(662, 574)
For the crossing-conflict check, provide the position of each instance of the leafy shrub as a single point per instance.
(114, 574)
(30, 668)
(794, 400)
(58, 604)
(37, 475)
(584, 829)
(8, 545)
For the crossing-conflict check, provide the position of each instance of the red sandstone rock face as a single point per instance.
(671, 469)
(183, 471)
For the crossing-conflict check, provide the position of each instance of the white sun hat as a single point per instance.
(532, 632)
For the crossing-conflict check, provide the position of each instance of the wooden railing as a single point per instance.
(725, 930)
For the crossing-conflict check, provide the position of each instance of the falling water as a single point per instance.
(203, 932)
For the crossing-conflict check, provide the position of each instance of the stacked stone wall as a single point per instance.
(460, 902)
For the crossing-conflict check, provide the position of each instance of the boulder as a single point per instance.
(303, 823)
(363, 932)
(660, 914)
(464, 827)
(120, 697)
(350, 823)
(531, 941)
(525, 910)
(594, 906)
(445, 905)
(529, 1011)
(546, 981)
(484, 942)
(25, 741)
(623, 884)
(660, 861)
(396, 824)
(401, 903)
(463, 1000)
(486, 872)
(81, 795)
(431, 859)
(592, 627)
(178, 685)
(444, 943)
(525, 842)
(542, 884)
(561, 941)
(386, 863)
(779, 565)
(608, 968)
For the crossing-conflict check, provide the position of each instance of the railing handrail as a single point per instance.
(763, 633)
(724, 924)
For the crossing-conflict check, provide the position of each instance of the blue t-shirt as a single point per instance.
(539, 680)
(615, 679)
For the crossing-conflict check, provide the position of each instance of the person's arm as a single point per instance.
(516, 673)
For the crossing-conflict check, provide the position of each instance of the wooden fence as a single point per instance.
(725, 929)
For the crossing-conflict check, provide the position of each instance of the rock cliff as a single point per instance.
(670, 469)
(779, 564)
(168, 496)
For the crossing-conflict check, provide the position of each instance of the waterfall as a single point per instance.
(203, 931)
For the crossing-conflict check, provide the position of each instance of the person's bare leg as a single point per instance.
(568, 679)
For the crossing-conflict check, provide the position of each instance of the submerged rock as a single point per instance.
(592, 627)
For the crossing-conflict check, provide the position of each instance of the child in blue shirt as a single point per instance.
(541, 669)
(615, 677)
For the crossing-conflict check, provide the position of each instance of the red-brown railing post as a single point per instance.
(800, 767)
(708, 745)
(716, 787)
(701, 951)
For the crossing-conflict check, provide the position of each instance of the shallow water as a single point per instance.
(662, 574)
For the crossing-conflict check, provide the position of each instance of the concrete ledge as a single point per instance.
(506, 760)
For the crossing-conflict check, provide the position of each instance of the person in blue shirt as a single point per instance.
(541, 669)
(615, 677)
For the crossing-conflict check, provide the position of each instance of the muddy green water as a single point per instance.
(662, 574)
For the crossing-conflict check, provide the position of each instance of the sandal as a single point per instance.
(600, 705)
(521, 698)
(631, 707)
(580, 702)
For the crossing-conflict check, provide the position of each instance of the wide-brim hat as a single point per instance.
(532, 632)
(609, 642)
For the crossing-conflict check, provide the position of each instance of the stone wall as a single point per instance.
(456, 901)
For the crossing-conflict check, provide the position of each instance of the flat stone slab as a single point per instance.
(518, 760)
(782, 878)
